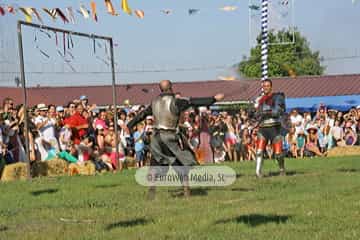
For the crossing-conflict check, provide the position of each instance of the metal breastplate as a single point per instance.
(164, 118)
(277, 100)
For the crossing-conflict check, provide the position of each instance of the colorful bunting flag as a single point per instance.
(27, 12)
(37, 15)
(192, 11)
(70, 14)
(139, 13)
(51, 13)
(62, 15)
(254, 7)
(228, 8)
(166, 11)
(125, 7)
(2, 11)
(11, 9)
(84, 11)
(110, 8)
(93, 11)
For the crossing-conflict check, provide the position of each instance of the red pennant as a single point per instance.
(2, 11)
(11, 9)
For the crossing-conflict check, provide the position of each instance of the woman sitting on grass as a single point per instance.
(312, 142)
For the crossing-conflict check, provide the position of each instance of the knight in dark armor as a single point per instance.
(270, 108)
(166, 146)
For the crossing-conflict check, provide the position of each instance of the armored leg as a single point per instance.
(279, 156)
(156, 171)
(260, 147)
(259, 162)
(183, 172)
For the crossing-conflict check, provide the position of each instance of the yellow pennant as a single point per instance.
(27, 12)
(125, 7)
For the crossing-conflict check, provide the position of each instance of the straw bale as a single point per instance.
(344, 151)
(88, 168)
(15, 171)
(54, 167)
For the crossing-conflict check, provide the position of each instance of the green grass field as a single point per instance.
(318, 199)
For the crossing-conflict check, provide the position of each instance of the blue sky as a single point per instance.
(205, 40)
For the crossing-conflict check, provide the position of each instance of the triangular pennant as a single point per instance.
(51, 13)
(84, 11)
(37, 15)
(2, 11)
(93, 11)
(254, 7)
(70, 14)
(62, 15)
(11, 9)
(110, 8)
(228, 8)
(166, 11)
(192, 11)
(125, 7)
(139, 13)
(27, 12)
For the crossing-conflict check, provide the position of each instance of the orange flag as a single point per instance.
(139, 13)
(125, 7)
(93, 11)
(110, 8)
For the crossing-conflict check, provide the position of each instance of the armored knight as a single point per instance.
(269, 110)
(165, 147)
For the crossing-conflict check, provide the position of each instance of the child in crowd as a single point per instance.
(139, 145)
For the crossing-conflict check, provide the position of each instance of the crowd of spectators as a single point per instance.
(80, 132)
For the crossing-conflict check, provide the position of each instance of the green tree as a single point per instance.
(295, 59)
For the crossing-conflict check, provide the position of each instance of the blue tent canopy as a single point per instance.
(340, 103)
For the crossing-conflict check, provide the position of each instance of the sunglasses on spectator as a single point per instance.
(72, 106)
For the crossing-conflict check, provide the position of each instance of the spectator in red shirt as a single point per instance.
(77, 122)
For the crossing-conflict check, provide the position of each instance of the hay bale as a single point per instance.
(51, 168)
(15, 171)
(344, 151)
(88, 169)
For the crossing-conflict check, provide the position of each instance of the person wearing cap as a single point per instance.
(165, 147)
(312, 141)
(46, 129)
(84, 100)
(270, 108)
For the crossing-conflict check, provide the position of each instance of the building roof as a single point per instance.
(236, 90)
